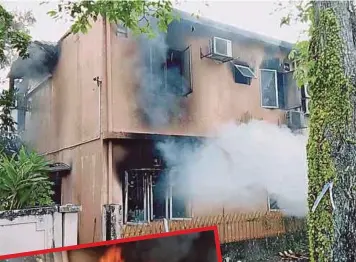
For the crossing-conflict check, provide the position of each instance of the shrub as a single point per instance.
(24, 181)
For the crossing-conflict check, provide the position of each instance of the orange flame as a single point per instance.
(113, 254)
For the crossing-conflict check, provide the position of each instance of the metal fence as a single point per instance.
(232, 227)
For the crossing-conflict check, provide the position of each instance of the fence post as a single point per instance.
(70, 224)
(58, 229)
(111, 221)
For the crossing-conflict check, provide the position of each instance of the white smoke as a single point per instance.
(242, 161)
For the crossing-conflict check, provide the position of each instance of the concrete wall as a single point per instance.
(38, 228)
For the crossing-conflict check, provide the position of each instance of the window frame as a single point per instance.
(247, 67)
(188, 205)
(275, 85)
(122, 31)
(269, 205)
(148, 202)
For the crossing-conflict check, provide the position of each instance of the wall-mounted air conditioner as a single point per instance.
(220, 50)
(295, 120)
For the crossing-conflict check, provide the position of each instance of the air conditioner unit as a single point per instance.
(295, 120)
(220, 49)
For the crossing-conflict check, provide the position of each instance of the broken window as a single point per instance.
(243, 74)
(149, 195)
(136, 202)
(177, 72)
(269, 88)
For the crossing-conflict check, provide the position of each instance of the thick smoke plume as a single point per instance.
(41, 61)
(160, 90)
(237, 167)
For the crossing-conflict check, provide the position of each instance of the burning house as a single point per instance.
(125, 113)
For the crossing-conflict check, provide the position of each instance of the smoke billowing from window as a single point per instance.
(41, 61)
(160, 88)
(237, 167)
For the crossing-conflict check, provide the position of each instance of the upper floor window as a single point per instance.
(177, 71)
(269, 88)
(243, 74)
(273, 203)
(121, 30)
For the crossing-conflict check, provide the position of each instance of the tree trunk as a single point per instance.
(343, 150)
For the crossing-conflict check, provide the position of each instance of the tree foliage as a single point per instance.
(321, 66)
(132, 14)
(12, 36)
(24, 181)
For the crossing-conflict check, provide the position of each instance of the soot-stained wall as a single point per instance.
(216, 98)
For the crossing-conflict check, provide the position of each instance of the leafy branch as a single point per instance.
(131, 14)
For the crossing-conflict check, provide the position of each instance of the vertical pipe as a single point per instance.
(151, 189)
(126, 196)
(144, 196)
(110, 172)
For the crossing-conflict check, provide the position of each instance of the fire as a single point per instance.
(113, 254)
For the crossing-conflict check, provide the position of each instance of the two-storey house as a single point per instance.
(111, 97)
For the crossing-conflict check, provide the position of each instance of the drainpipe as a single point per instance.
(107, 28)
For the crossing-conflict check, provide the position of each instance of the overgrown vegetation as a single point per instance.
(320, 66)
(330, 91)
(12, 37)
(24, 181)
(267, 249)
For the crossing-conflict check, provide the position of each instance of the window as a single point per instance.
(177, 72)
(121, 30)
(149, 194)
(179, 202)
(273, 203)
(269, 90)
(243, 75)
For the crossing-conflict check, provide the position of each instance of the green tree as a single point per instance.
(328, 65)
(133, 14)
(12, 36)
(24, 181)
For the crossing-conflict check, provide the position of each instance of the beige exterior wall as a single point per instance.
(216, 98)
(65, 124)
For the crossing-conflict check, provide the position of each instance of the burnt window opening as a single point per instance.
(177, 72)
(149, 195)
(243, 74)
